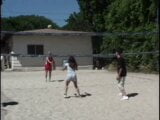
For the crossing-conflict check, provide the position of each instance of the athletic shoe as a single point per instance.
(78, 96)
(120, 94)
(124, 98)
(65, 96)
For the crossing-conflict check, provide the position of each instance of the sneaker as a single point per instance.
(124, 98)
(78, 96)
(120, 94)
(65, 96)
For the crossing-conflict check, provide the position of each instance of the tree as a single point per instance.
(77, 23)
(93, 11)
(120, 16)
(90, 16)
(133, 16)
(26, 22)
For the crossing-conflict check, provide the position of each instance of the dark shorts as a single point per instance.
(123, 73)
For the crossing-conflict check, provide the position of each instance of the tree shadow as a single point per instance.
(56, 81)
(4, 104)
(132, 94)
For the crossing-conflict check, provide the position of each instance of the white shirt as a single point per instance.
(70, 71)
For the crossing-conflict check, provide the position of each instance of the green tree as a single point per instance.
(77, 22)
(26, 22)
(132, 16)
(93, 11)
(120, 16)
(90, 17)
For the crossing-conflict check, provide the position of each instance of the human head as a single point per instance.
(119, 53)
(72, 62)
(71, 59)
(49, 53)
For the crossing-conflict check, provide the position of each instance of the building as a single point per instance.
(37, 43)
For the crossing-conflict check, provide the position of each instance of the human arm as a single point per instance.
(53, 64)
(121, 67)
(119, 74)
(49, 61)
(65, 66)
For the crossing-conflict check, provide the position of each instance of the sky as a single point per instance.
(56, 10)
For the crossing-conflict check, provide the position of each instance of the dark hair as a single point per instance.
(119, 50)
(72, 62)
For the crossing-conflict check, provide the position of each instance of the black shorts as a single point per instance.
(123, 73)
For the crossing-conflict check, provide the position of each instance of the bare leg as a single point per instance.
(46, 75)
(76, 87)
(121, 86)
(66, 87)
(50, 72)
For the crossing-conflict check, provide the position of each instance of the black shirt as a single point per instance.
(121, 64)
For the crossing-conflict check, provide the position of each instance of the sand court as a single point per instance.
(40, 100)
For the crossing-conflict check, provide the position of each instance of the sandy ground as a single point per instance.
(30, 97)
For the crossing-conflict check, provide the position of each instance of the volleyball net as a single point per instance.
(141, 51)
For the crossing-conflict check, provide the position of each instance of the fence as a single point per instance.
(99, 61)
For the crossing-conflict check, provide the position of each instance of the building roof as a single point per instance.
(55, 32)
(50, 32)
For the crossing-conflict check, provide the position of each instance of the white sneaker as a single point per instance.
(65, 96)
(124, 98)
(120, 94)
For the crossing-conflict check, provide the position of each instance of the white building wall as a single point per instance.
(58, 45)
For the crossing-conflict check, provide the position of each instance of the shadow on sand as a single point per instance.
(82, 95)
(4, 104)
(132, 94)
(56, 81)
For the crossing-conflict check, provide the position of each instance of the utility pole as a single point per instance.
(158, 20)
(158, 36)
(0, 17)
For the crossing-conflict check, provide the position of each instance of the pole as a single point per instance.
(0, 17)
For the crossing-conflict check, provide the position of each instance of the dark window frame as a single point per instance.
(35, 49)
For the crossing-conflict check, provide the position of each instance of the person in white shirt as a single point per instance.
(71, 67)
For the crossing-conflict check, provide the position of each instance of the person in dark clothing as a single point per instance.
(121, 73)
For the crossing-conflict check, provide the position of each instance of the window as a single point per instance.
(35, 49)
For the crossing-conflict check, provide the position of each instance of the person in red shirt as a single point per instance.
(49, 64)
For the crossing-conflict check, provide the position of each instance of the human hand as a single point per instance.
(118, 78)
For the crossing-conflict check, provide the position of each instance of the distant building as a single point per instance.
(38, 42)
